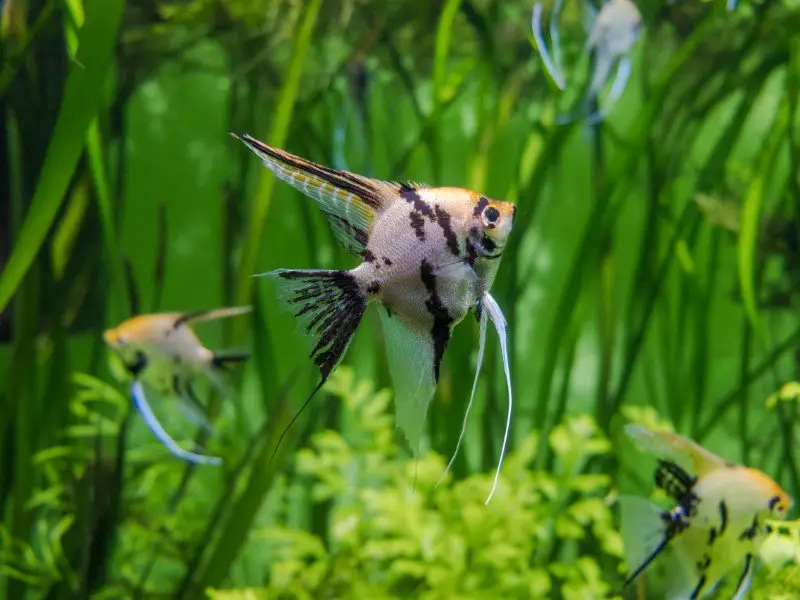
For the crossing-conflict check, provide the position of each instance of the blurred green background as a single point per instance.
(651, 275)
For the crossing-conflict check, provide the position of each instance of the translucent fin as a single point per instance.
(457, 270)
(499, 321)
(140, 401)
(541, 46)
(731, 5)
(199, 316)
(620, 81)
(555, 38)
(668, 444)
(350, 201)
(328, 306)
(481, 347)
(643, 533)
(193, 409)
(411, 355)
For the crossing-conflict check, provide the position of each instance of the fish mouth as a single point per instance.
(482, 251)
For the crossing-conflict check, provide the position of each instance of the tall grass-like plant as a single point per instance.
(653, 263)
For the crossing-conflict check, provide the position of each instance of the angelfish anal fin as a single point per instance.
(411, 355)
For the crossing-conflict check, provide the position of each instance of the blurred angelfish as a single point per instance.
(717, 523)
(430, 256)
(162, 351)
(611, 38)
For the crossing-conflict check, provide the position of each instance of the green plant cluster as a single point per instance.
(393, 533)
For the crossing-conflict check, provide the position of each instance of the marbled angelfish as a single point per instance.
(429, 255)
(162, 351)
(717, 524)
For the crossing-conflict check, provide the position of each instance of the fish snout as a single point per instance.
(110, 336)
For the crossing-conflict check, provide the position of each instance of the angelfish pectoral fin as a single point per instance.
(745, 579)
(140, 401)
(496, 315)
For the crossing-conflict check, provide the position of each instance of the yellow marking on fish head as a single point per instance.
(780, 503)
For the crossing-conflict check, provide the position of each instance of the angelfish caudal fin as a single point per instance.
(328, 306)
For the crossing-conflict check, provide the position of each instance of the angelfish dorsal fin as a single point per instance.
(349, 201)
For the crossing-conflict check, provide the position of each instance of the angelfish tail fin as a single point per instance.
(328, 306)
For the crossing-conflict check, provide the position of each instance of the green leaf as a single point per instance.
(81, 102)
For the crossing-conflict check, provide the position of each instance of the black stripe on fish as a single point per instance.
(748, 563)
(674, 522)
(703, 565)
(677, 483)
(138, 365)
(411, 196)
(186, 317)
(417, 224)
(698, 588)
(712, 535)
(369, 256)
(750, 532)
(444, 220)
(723, 515)
(330, 305)
(773, 501)
(386, 261)
(440, 332)
(483, 202)
(348, 182)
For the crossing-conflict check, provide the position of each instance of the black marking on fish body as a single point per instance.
(373, 288)
(139, 364)
(773, 501)
(723, 514)
(698, 588)
(488, 244)
(442, 320)
(387, 261)
(703, 565)
(750, 532)
(418, 224)
(185, 318)
(411, 196)
(483, 202)
(748, 563)
(712, 536)
(369, 256)
(444, 220)
(678, 484)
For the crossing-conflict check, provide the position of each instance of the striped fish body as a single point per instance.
(718, 524)
(162, 351)
(429, 256)
(420, 260)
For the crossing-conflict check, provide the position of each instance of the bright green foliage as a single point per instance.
(392, 533)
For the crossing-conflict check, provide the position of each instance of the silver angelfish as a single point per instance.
(429, 256)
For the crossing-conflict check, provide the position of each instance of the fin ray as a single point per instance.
(349, 201)
(673, 446)
(200, 316)
(328, 306)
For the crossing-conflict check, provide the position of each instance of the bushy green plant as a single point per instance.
(394, 533)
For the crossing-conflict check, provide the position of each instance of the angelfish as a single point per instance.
(716, 525)
(162, 351)
(429, 256)
(612, 35)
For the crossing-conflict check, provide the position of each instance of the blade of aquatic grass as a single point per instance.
(730, 399)
(444, 30)
(751, 210)
(601, 217)
(277, 137)
(81, 100)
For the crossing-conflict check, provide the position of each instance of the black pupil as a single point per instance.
(492, 214)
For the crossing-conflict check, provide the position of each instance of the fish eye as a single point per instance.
(491, 214)
(121, 341)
